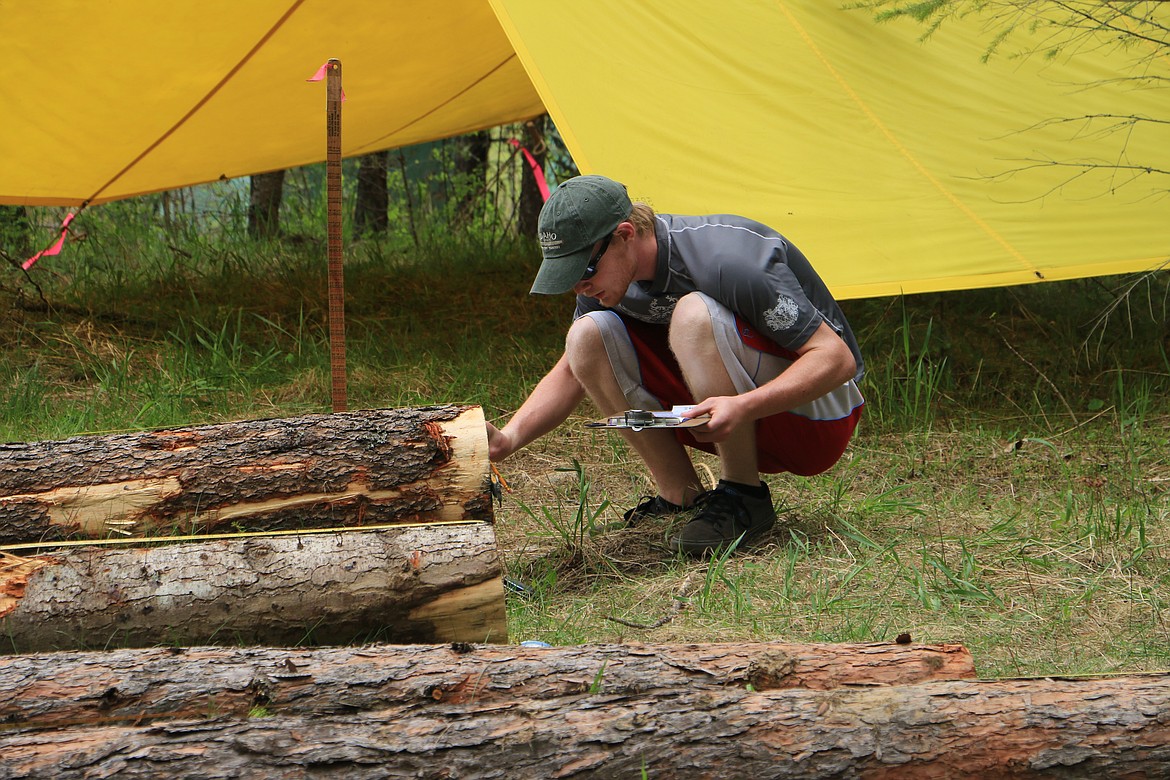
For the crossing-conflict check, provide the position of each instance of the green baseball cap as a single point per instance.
(580, 212)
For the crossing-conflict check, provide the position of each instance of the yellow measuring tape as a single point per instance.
(144, 540)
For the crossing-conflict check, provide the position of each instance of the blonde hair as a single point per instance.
(642, 218)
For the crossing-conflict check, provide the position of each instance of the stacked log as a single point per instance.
(321, 529)
(313, 471)
(781, 711)
(51, 690)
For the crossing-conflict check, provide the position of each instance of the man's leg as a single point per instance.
(667, 459)
(692, 339)
(740, 508)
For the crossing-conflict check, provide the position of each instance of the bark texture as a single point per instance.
(410, 584)
(372, 199)
(315, 471)
(265, 195)
(60, 689)
(1004, 729)
(531, 198)
(16, 232)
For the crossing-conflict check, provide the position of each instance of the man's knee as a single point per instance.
(690, 322)
(584, 346)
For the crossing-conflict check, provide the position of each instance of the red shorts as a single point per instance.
(785, 442)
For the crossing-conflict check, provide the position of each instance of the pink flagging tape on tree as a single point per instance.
(55, 249)
(541, 184)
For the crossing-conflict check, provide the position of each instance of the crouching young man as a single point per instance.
(717, 311)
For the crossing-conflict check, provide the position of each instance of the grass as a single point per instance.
(1007, 488)
(1037, 567)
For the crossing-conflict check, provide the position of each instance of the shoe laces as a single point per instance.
(648, 506)
(720, 507)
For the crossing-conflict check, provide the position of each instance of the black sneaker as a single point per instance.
(651, 506)
(725, 515)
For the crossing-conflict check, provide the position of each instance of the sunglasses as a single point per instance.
(591, 269)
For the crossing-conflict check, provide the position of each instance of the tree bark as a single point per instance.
(15, 232)
(471, 164)
(531, 199)
(315, 471)
(372, 200)
(264, 204)
(1002, 729)
(409, 584)
(61, 689)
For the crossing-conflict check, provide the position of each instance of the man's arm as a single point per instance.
(551, 402)
(825, 363)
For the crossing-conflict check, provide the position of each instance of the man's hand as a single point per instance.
(824, 363)
(499, 444)
(728, 412)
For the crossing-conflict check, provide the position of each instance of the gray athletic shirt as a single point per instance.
(745, 265)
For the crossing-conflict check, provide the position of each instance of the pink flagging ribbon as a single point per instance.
(537, 173)
(55, 249)
(320, 76)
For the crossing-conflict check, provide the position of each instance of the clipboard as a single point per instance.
(640, 419)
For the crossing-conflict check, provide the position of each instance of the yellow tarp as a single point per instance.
(886, 159)
(105, 100)
(878, 155)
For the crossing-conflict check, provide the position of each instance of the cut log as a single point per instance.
(316, 471)
(401, 584)
(1005, 729)
(58, 689)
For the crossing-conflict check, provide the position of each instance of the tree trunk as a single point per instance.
(372, 201)
(407, 584)
(408, 197)
(531, 199)
(315, 471)
(59, 689)
(1004, 729)
(15, 232)
(264, 204)
(471, 152)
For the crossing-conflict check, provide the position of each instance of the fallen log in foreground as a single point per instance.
(1006, 729)
(403, 584)
(57, 689)
(314, 471)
